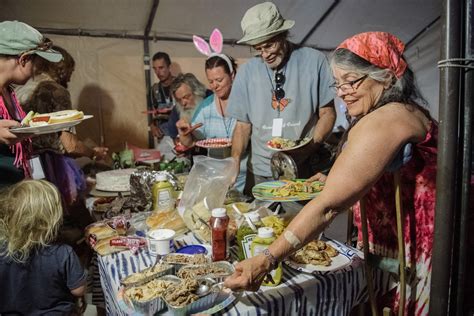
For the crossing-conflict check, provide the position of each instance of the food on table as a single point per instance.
(37, 119)
(295, 188)
(114, 244)
(275, 222)
(219, 239)
(317, 252)
(169, 220)
(182, 294)
(123, 159)
(143, 275)
(114, 180)
(285, 143)
(102, 204)
(98, 231)
(162, 193)
(210, 270)
(265, 237)
(175, 167)
(176, 258)
(153, 289)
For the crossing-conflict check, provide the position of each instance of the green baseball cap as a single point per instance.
(17, 38)
(262, 22)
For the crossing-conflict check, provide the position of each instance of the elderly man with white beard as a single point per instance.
(188, 92)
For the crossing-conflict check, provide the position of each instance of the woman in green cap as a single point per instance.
(19, 46)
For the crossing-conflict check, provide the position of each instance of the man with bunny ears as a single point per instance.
(276, 93)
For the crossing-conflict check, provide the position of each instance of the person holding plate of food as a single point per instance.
(215, 126)
(20, 44)
(277, 92)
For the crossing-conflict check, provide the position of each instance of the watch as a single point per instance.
(273, 261)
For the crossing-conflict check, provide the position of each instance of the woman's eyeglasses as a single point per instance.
(348, 86)
(279, 81)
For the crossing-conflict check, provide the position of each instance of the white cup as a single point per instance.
(159, 241)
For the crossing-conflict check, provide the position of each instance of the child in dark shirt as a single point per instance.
(37, 276)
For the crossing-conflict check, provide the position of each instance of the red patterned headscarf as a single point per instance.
(381, 49)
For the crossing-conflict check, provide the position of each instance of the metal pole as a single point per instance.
(446, 184)
(467, 159)
(146, 62)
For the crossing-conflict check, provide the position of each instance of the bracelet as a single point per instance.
(273, 261)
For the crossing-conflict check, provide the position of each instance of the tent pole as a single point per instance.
(468, 96)
(446, 176)
(318, 23)
(146, 62)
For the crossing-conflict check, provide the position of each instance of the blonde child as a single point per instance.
(37, 275)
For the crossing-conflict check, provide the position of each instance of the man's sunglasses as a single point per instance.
(279, 81)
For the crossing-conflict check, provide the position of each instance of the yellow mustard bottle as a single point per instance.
(264, 238)
(162, 194)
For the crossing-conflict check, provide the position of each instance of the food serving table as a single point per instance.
(320, 293)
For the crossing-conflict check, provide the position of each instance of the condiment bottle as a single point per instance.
(219, 242)
(265, 238)
(246, 233)
(162, 194)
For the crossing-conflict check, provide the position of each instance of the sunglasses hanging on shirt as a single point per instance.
(279, 81)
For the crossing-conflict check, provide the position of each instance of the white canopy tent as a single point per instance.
(106, 38)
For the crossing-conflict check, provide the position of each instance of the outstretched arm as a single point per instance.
(357, 168)
(240, 140)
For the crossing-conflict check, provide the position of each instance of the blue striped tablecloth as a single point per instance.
(329, 293)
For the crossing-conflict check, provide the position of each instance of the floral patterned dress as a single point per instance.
(418, 184)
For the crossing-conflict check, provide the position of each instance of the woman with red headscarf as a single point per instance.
(389, 131)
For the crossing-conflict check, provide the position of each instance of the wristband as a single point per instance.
(273, 261)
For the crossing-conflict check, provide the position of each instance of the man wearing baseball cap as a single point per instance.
(276, 93)
(19, 45)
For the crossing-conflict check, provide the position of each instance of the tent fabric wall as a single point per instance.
(109, 81)
(423, 56)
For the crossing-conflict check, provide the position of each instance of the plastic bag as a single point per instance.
(209, 179)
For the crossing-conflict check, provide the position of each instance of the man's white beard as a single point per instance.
(187, 114)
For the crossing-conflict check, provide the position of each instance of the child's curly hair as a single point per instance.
(30, 216)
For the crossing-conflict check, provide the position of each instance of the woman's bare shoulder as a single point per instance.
(394, 120)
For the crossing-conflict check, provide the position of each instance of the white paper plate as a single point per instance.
(338, 262)
(303, 143)
(50, 128)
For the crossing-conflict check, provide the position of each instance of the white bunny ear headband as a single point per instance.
(216, 40)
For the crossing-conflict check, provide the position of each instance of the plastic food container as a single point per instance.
(160, 240)
(147, 275)
(218, 277)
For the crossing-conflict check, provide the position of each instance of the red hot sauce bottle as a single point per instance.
(219, 242)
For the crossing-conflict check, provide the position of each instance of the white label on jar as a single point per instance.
(246, 242)
(164, 200)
